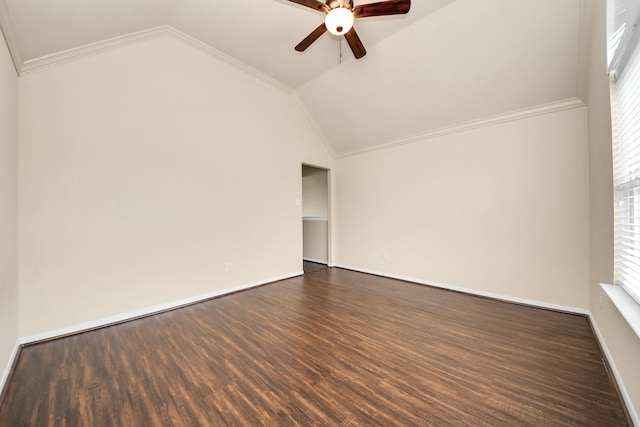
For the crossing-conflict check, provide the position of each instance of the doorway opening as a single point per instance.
(315, 218)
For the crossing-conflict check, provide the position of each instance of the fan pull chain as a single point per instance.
(340, 50)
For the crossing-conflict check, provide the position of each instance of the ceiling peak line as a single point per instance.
(316, 127)
(229, 59)
(566, 104)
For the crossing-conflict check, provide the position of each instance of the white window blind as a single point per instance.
(615, 26)
(625, 108)
(622, 18)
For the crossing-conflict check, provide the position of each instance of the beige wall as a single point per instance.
(144, 170)
(500, 209)
(622, 342)
(315, 241)
(8, 208)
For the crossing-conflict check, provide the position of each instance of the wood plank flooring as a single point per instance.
(309, 266)
(332, 348)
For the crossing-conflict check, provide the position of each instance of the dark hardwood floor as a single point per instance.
(309, 266)
(332, 348)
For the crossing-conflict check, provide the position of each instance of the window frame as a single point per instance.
(623, 35)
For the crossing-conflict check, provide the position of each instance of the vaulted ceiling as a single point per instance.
(445, 64)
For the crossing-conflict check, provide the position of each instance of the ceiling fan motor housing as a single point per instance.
(339, 18)
(333, 4)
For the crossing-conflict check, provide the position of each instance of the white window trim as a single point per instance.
(622, 42)
(626, 305)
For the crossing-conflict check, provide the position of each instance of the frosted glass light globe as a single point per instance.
(339, 21)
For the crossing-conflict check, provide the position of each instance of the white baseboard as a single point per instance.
(7, 369)
(623, 391)
(159, 308)
(146, 311)
(508, 298)
(317, 261)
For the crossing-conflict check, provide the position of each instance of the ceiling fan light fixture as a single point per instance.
(339, 21)
(339, 18)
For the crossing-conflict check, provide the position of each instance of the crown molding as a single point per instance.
(56, 59)
(7, 31)
(53, 60)
(227, 58)
(553, 107)
(49, 61)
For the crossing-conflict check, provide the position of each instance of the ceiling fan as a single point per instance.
(340, 17)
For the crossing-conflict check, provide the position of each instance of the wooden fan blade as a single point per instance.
(308, 41)
(391, 7)
(355, 44)
(313, 4)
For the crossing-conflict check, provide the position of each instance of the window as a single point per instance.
(624, 66)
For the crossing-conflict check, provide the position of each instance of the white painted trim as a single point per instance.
(626, 305)
(49, 61)
(131, 315)
(229, 59)
(315, 218)
(148, 310)
(508, 298)
(55, 59)
(553, 107)
(9, 36)
(317, 261)
(618, 378)
(7, 369)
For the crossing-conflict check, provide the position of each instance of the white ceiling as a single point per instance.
(446, 63)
